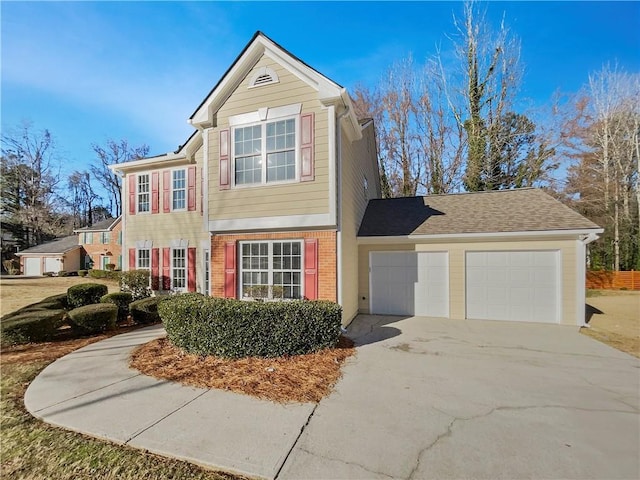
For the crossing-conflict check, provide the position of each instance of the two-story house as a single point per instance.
(102, 244)
(267, 194)
(276, 193)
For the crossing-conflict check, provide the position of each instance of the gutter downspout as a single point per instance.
(339, 203)
(581, 274)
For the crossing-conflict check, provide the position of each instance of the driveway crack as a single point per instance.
(325, 457)
(295, 442)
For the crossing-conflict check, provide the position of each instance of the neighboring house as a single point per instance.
(55, 256)
(267, 196)
(102, 244)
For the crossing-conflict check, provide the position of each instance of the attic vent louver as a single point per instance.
(263, 76)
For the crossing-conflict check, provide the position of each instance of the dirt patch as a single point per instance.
(302, 378)
(17, 292)
(615, 319)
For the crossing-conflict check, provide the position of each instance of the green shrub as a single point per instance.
(85, 294)
(135, 282)
(82, 273)
(93, 318)
(12, 266)
(233, 328)
(62, 273)
(110, 266)
(145, 310)
(54, 302)
(120, 300)
(30, 326)
(104, 274)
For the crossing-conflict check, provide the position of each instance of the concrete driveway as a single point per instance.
(423, 398)
(434, 398)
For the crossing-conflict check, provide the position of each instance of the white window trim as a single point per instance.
(138, 250)
(263, 153)
(186, 269)
(270, 269)
(186, 189)
(138, 193)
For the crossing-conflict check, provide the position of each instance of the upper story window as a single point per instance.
(105, 237)
(143, 192)
(179, 190)
(265, 153)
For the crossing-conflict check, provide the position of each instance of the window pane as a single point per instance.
(143, 193)
(179, 271)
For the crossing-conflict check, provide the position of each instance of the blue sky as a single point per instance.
(89, 71)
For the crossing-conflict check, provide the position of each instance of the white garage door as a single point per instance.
(52, 264)
(32, 266)
(522, 286)
(409, 283)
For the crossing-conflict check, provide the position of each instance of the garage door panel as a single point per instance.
(51, 265)
(409, 283)
(517, 285)
(32, 266)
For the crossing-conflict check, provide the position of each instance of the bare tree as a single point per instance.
(29, 185)
(110, 154)
(82, 199)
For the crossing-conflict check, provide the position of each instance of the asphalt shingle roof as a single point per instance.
(99, 226)
(61, 245)
(521, 210)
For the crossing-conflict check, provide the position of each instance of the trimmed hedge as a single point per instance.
(83, 273)
(234, 328)
(145, 311)
(120, 300)
(54, 302)
(104, 274)
(93, 318)
(136, 282)
(30, 326)
(85, 294)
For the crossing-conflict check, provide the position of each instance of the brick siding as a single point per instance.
(327, 289)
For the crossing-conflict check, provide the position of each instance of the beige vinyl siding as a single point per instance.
(163, 228)
(568, 285)
(299, 198)
(357, 162)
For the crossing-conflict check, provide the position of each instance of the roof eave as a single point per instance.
(458, 237)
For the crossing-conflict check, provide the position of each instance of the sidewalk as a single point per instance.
(93, 391)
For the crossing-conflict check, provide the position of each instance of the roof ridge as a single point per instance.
(430, 195)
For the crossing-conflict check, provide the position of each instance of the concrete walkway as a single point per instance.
(423, 398)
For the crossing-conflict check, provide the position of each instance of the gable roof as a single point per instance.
(259, 45)
(502, 211)
(102, 226)
(61, 245)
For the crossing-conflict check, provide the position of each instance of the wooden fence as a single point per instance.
(614, 280)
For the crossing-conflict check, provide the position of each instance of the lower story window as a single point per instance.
(271, 269)
(179, 269)
(143, 259)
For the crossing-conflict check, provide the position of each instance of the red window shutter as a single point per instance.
(306, 143)
(155, 269)
(166, 191)
(311, 268)
(155, 192)
(191, 189)
(132, 194)
(230, 270)
(132, 259)
(166, 269)
(225, 170)
(191, 269)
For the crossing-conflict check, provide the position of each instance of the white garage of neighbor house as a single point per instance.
(503, 255)
(54, 256)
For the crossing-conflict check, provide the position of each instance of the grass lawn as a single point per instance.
(31, 449)
(16, 292)
(615, 319)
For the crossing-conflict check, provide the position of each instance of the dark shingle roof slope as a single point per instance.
(60, 245)
(521, 210)
(107, 224)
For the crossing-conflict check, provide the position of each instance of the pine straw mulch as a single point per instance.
(301, 378)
